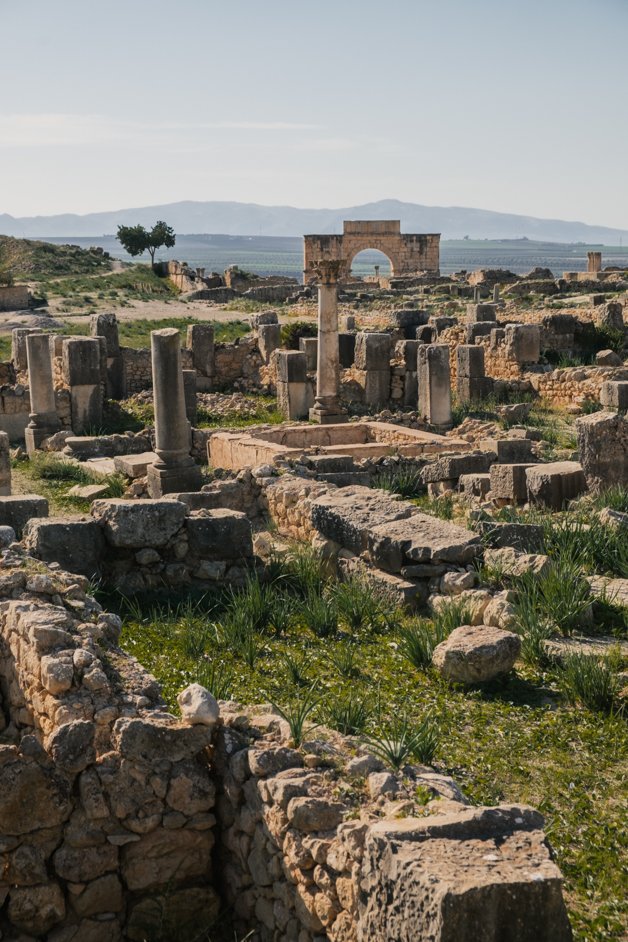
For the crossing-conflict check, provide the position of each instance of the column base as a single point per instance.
(327, 417)
(173, 480)
(35, 436)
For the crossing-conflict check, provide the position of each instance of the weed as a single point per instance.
(217, 678)
(360, 604)
(345, 659)
(451, 615)
(590, 681)
(297, 713)
(297, 666)
(321, 614)
(404, 480)
(348, 714)
(417, 642)
(399, 740)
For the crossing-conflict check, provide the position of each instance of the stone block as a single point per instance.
(523, 342)
(525, 537)
(346, 349)
(373, 351)
(436, 879)
(603, 449)
(451, 467)
(481, 329)
(106, 325)
(509, 450)
(81, 361)
(425, 334)
(556, 483)
(135, 466)
(132, 524)
(376, 387)
(476, 654)
(266, 317)
(508, 482)
(614, 395)
(309, 346)
(18, 346)
(474, 485)
(5, 465)
(76, 543)
(16, 511)
(200, 340)
(420, 538)
(189, 394)
(291, 367)
(434, 381)
(347, 516)
(481, 313)
(268, 339)
(220, 534)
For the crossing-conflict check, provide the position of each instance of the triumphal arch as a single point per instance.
(408, 253)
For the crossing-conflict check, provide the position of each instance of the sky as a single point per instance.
(509, 105)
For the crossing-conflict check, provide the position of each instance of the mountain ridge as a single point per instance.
(252, 219)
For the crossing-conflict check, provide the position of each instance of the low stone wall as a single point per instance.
(14, 297)
(15, 406)
(238, 364)
(149, 544)
(105, 799)
(138, 367)
(574, 385)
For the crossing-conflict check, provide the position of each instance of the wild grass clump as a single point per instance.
(50, 467)
(558, 598)
(361, 605)
(588, 543)
(296, 715)
(590, 681)
(417, 642)
(399, 740)
(404, 480)
(297, 667)
(216, 677)
(349, 714)
(451, 615)
(345, 659)
(303, 571)
(320, 614)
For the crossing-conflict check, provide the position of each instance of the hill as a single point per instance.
(28, 260)
(231, 218)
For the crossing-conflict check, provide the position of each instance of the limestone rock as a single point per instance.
(31, 797)
(198, 706)
(476, 654)
(603, 449)
(36, 909)
(314, 814)
(133, 524)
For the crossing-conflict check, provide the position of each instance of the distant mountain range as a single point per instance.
(453, 222)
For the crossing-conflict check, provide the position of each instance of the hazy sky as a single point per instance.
(511, 105)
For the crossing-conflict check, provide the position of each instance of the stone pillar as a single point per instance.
(410, 353)
(434, 385)
(81, 360)
(496, 297)
(293, 390)
(481, 313)
(472, 384)
(189, 391)
(5, 465)
(372, 359)
(477, 297)
(106, 326)
(175, 470)
(268, 339)
(44, 420)
(309, 346)
(327, 407)
(594, 261)
(18, 346)
(200, 340)
(346, 323)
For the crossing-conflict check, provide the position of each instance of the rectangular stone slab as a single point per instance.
(420, 539)
(348, 516)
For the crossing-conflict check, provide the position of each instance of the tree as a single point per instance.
(137, 240)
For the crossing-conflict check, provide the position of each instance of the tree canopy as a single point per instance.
(137, 240)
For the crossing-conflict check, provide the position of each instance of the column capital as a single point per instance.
(328, 270)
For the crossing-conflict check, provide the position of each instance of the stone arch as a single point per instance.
(369, 248)
(408, 253)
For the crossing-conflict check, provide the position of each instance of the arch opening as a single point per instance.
(370, 265)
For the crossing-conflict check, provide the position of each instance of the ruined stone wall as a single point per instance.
(15, 408)
(13, 297)
(238, 364)
(138, 367)
(105, 800)
(574, 385)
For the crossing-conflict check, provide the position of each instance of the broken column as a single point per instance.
(293, 389)
(434, 377)
(594, 261)
(44, 420)
(5, 465)
(106, 326)
(409, 351)
(81, 359)
(372, 358)
(175, 469)
(472, 384)
(309, 346)
(200, 340)
(326, 408)
(189, 391)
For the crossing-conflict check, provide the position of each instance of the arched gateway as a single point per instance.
(408, 254)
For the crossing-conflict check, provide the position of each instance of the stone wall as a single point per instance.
(15, 408)
(138, 367)
(105, 799)
(574, 385)
(14, 297)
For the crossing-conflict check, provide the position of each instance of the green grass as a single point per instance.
(521, 740)
(138, 282)
(52, 477)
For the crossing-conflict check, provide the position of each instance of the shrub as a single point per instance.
(590, 681)
(400, 740)
(292, 333)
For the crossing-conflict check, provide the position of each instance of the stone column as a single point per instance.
(326, 408)
(435, 385)
(5, 465)
(175, 469)
(293, 390)
(594, 261)
(200, 340)
(44, 420)
(18, 346)
(82, 372)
